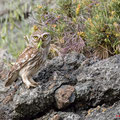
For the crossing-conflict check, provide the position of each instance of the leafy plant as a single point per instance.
(103, 29)
(64, 25)
(75, 25)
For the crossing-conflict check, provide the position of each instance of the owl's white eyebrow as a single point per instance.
(36, 35)
(45, 33)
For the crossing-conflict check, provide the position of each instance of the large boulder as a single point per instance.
(75, 85)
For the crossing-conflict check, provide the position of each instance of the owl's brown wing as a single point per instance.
(28, 54)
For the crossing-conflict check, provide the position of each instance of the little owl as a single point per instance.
(31, 60)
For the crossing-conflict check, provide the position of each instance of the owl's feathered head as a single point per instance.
(39, 37)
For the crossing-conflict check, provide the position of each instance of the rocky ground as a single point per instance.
(73, 88)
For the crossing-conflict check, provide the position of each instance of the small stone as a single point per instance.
(64, 96)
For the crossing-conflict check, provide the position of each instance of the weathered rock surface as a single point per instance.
(71, 88)
(5, 59)
(60, 116)
(102, 113)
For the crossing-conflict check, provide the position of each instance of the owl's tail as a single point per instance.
(12, 76)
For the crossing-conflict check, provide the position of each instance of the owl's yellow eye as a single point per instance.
(35, 37)
(45, 36)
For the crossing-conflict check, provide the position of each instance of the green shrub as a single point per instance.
(66, 7)
(65, 23)
(75, 25)
(103, 29)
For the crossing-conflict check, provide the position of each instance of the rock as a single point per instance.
(3, 90)
(34, 101)
(100, 83)
(73, 58)
(5, 56)
(83, 91)
(102, 113)
(72, 89)
(64, 96)
(69, 116)
(5, 60)
(60, 116)
(73, 61)
(28, 103)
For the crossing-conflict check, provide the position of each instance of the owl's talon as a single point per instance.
(30, 85)
(33, 82)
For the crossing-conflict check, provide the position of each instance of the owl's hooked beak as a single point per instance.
(44, 43)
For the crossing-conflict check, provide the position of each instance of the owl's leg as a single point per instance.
(32, 81)
(25, 79)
